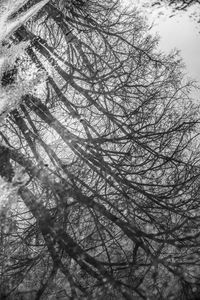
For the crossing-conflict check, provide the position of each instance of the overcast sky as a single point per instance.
(180, 32)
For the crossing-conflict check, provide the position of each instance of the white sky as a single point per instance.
(180, 32)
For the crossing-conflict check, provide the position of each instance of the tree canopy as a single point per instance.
(99, 159)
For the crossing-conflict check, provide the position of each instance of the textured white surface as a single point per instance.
(7, 8)
(10, 96)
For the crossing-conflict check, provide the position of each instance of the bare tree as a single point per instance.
(106, 162)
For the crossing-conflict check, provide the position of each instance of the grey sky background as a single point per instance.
(180, 32)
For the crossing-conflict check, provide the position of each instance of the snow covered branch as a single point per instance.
(8, 9)
(12, 16)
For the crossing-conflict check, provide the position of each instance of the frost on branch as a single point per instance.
(12, 16)
(7, 194)
(27, 80)
(11, 19)
(9, 54)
